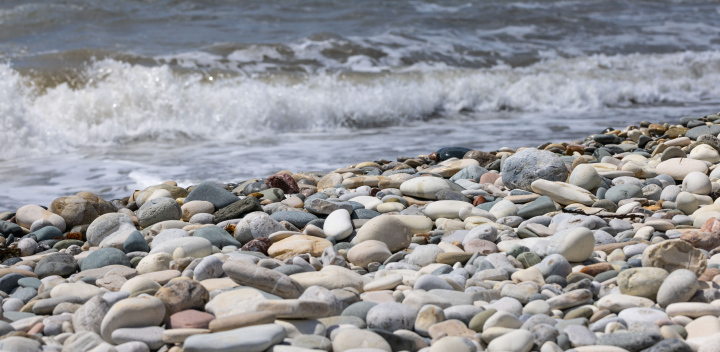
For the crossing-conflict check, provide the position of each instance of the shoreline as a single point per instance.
(609, 241)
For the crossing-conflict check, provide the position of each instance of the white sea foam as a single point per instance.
(122, 103)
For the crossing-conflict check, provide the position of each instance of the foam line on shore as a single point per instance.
(121, 103)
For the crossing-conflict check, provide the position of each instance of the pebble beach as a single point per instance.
(602, 244)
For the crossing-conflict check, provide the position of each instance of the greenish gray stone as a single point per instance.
(61, 264)
(29, 282)
(538, 207)
(237, 209)
(528, 259)
(67, 243)
(358, 309)
(625, 191)
(135, 242)
(104, 257)
(273, 194)
(217, 236)
(607, 275)
(289, 269)
(477, 322)
(8, 228)
(696, 132)
(516, 249)
(48, 233)
(298, 218)
(9, 282)
(582, 312)
(213, 193)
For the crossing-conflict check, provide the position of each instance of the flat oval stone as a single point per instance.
(678, 168)
(424, 187)
(696, 132)
(196, 247)
(132, 312)
(298, 218)
(158, 210)
(679, 286)
(213, 193)
(518, 340)
(264, 279)
(252, 339)
(104, 257)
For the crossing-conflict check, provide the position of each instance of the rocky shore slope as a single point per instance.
(603, 244)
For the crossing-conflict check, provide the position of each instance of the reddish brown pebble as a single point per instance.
(283, 181)
(595, 269)
(479, 200)
(489, 177)
(258, 245)
(712, 225)
(709, 274)
(574, 148)
(703, 240)
(36, 329)
(190, 319)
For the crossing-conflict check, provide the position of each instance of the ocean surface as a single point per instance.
(114, 96)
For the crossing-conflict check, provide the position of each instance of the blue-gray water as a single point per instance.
(114, 96)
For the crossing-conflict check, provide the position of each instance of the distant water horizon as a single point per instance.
(111, 97)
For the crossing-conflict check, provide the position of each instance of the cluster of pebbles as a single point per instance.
(607, 244)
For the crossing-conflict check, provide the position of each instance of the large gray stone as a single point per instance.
(89, 317)
(696, 132)
(528, 165)
(575, 244)
(61, 264)
(157, 210)
(106, 225)
(391, 316)
(256, 225)
(298, 218)
(135, 242)
(679, 286)
(217, 236)
(213, 193)
(625, 191)
(256, 338)
(104, 257)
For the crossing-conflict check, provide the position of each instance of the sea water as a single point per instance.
(110, 97)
